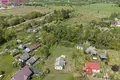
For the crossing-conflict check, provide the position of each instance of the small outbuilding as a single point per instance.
(103, 57)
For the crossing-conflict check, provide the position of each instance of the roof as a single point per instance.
(32, 60)
(91, 65)
(18, 56)
(22, 74)
(115, 22)
(27, 50)
(102, 56)
(91, 50)
(60, 61)
(34, 46)
(24, 56)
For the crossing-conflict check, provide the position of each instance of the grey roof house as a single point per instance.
(24, 57)
(60, 63)
(32, 60)
(91, 50)
(22, 74)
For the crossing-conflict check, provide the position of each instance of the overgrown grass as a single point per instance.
(6, 65)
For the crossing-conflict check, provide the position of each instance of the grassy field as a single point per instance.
(6, 65)
(57, 51)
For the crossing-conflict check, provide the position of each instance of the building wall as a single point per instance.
(58, 68)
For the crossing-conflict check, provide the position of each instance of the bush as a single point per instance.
(33, 15)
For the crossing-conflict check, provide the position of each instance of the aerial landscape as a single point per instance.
(59, 39)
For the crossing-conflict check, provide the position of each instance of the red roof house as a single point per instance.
(92, 67)
(34, 46)
(18, 56)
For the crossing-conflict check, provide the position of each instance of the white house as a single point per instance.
(60, 63)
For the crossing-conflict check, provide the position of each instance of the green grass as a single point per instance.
(57, 51)
(84, 14)
(6, 65)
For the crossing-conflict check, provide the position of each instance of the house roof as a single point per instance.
(34, 46)
(27, 50)
(18, 56)
(91, 65)
(102, 56)
(91, 50)
(32, 60)
(115, 22)
(24, 56)
(60, 61)
(22, 74)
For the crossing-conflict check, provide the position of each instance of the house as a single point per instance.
(24, 57)
(103, 57)
(34, 46)
(60, 63)
(27, 50)
(92, 67)
(32, 60)
(23, 74)
(91, 50)
(80, 46)
(18, 56)
(115, 22)
(36, 72)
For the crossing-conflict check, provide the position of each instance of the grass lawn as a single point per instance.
(6, 65)
(57, 51)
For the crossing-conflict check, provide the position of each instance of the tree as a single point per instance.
(45, 51)
(13, 21)
(47, 38)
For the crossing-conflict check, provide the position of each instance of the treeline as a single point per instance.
(10, 20)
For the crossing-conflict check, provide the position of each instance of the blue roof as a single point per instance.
(102, 56)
